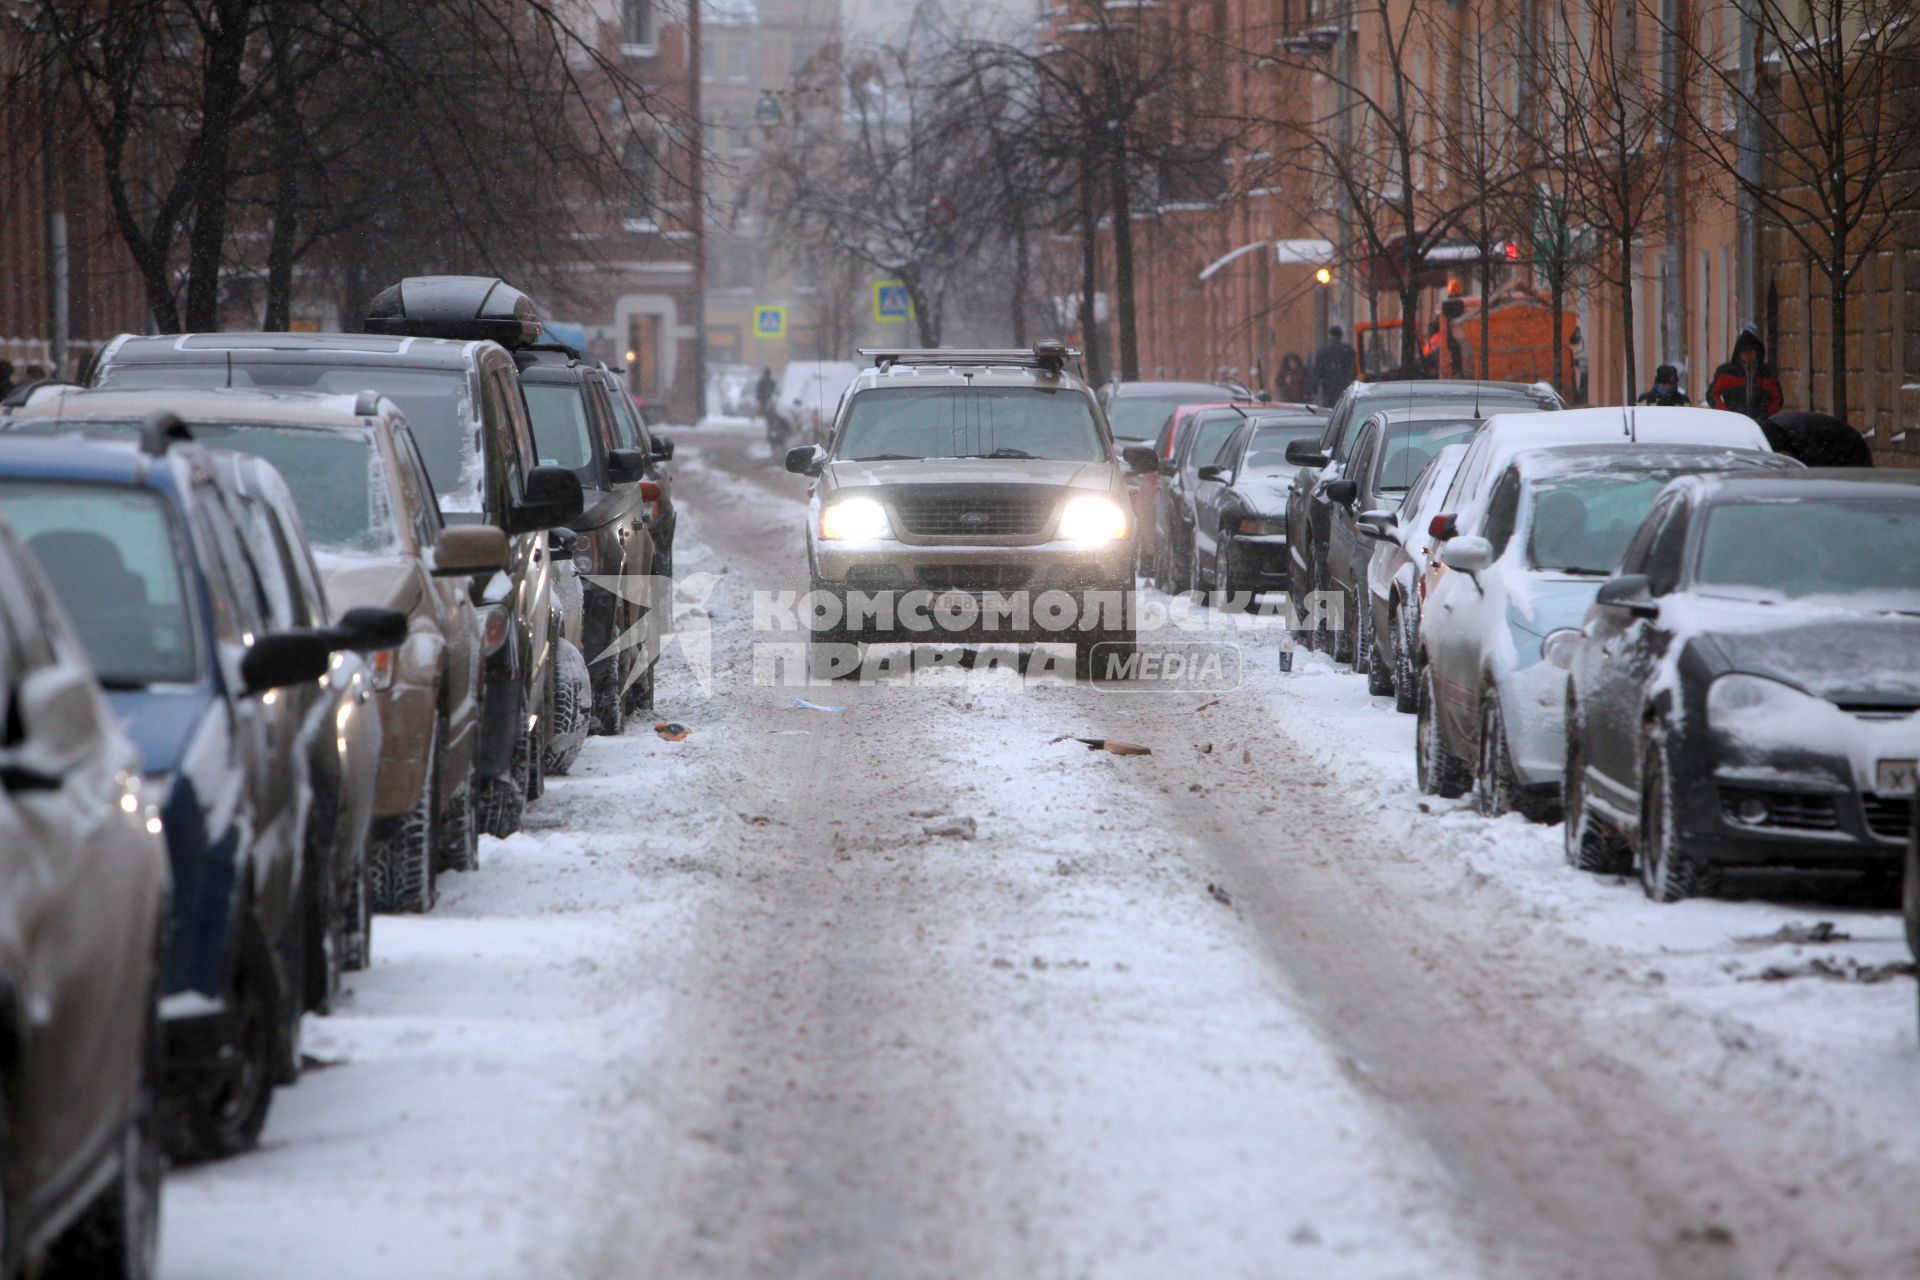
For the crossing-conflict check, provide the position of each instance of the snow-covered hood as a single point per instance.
(1842, 657)
(1263, 495)
(1080, 475)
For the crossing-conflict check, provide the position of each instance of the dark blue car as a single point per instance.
(148, 551)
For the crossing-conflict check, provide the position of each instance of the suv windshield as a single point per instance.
(113, 557)
(1055, 423)
(1582, 524)
(561, 434)
(1845, 547)
(434, 401)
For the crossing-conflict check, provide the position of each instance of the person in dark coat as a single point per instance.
(1666, 388)
(6, 378)
(1746, 383)
(1817, 439)
(1293, 379)
(1333, 366)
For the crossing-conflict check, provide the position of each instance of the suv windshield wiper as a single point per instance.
(890, 457)
(1003, 453)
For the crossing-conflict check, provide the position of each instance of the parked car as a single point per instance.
(1396, 576)
(1489, 705)
(1143, 489)
(1391, 449)
(434, 349)
(154, 556)
(1746, 690)
(1240, 502)
(1310, 512)
(634, 432)
(1197, 444)
(83, 871)
(575, 425)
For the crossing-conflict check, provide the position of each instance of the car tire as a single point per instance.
(456, 847)
(356, 949)
(572, 708)
(1406, 693)
(1362, 631)
(610, 696)
(1440, 772)
(118, 1235)
(222, 1114)
(1381, 667)
(500, 804)
(1588, 845)
(323, 937)
(1668, 873)
(1495, 790)
(403, 854)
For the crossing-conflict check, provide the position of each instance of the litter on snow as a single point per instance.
(672, 732)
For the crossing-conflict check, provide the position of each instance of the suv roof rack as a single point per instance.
(1051, 356)
(560, 348)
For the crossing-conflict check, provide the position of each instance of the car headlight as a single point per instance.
(1260, 526)
(1089, 518)
(1755, 702)
(1560, 647)
(854, 520)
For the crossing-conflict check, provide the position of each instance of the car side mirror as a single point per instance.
(1220, 475)
(1342, 492)
(59, 708)
(1140, 459)
(1305, 453)
(1630, 591)
(1382, 525)
(662, 448)
(553, 496)
(1442, 527)
(369, 628)
(1468, 555)
(466, 550)
(286, 658)
(806, 460)
(626, 466)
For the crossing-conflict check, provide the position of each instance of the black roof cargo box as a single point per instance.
(464, 308)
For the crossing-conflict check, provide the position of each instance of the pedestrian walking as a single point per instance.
(1666, 388)
(1294, 384)
(6, 378)
(1746, 383)
(1577, 348)
(1333, 366)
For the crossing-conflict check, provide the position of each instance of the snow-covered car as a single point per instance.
(1746, 691)
(973, 476)
(1310, 512)
(154, 556)
(83, 873)
(1198, 444)
(1489, 706)
(1143, 490)
(1392, 448)
(1240, 505)
(1395, 576)
(433, 347)
(635, 432)
(810, 393)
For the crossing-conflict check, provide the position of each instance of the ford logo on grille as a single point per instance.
(975, 518)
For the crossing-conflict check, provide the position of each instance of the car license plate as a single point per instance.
(1897, 777)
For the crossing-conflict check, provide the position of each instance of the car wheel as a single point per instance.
(456, 846)
(1405, 692)
(1495, 792)
(572, 707)
(1589, 846)
(1668, 873)
(1440, 772)
(1322, 641)
(1360, 627)
(406, 884)
(118, 1236)
(1380, 668)
(222, 1113)
(323, 935)
(610, 695)
(500, 803)
(1343, 648)
(356, 949)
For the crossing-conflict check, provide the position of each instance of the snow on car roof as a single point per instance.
(1826, 482)
(209, 405)
(1585, 458)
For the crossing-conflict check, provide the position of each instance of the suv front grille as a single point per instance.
(974, 511)
(1889, 817)
(974, 578)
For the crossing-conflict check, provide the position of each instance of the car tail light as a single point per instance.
(493, 628)
(1442, 527)
(385, 662)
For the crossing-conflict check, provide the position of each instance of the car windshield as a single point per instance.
(562, 436)
(1267, 451)
(113, 557)
(1138, 418)
(337, 479)
(1409, 446)
(1210, 436)
(435, 402)
(1856, 550)
(971, 422)
(1582, 524)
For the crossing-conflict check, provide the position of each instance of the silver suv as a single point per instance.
(972, 496)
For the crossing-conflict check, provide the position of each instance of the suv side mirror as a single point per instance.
(369, 628)
(626, 466)
(553, 497)
(286, 658)
(1305, 453)
(1221, 475)
(806, 460)
(1468, 555)
(1382, 525)
(1630, 591)
(1342, 492)
(662, 448)
(1140, 459)
(467, 549)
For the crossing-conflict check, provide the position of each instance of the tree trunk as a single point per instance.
(1837, 290)
(1090, 276)
(1486, 316)
(286, 188)
(207, 240)
(1557, 299)
(1626, 316)
(1121, 196)
(1020, 261)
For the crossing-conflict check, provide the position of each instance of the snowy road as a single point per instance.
(756, 1004)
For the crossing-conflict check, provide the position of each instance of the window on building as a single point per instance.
(637, 21)
(639, 179)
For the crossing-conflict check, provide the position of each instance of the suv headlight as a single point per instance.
(1089, 518)
(854, 520)
(1751, 703)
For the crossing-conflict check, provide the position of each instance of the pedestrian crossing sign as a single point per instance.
(769, 322)
(892, 304)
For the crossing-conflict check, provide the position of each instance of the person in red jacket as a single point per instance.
(1747, 384)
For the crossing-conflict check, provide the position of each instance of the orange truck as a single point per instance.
(1519, 347)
